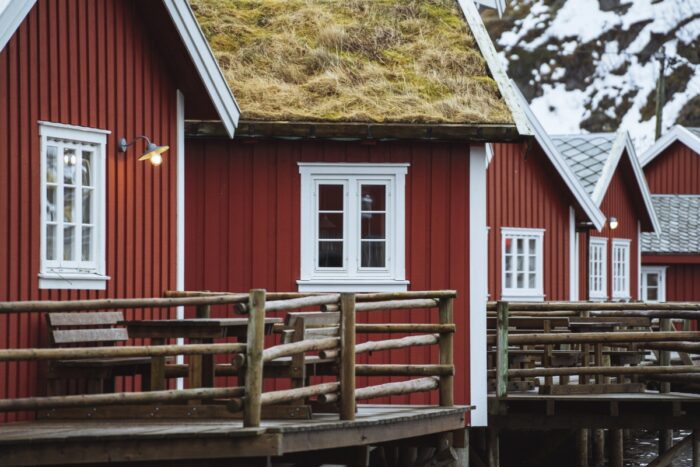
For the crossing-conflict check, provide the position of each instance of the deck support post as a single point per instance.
(347, 356)
(493, 448)
(446, 352)
(582, 447)
(665, 436)
(696, 447)
(252, 404)
(599, 447)
(616, 448)
(502, 350)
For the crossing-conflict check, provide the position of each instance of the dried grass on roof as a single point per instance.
(409, 61)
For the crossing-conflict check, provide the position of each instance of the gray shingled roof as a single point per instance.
(695, 131)
(679, 216)
(586, 155)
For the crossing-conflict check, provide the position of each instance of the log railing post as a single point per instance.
(501, 349)
(254, 359)
(446, 348)
(347, 356)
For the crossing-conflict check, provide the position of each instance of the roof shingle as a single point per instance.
(586, 155)
(679, 216)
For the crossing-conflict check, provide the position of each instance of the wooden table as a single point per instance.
(200, 331)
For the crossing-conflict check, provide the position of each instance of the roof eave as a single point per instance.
(11, 17)
(677, 133)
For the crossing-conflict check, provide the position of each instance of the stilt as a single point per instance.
(582, 447)
(665, 440)
(599, 447)
(616, 448)
(696, 448)
(493, 448)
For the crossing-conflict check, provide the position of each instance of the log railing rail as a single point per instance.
(249, 359)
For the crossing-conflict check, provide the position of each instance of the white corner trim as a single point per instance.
(677, 133)
(478, 286)
(11, 17)
(72, 281)
(573, 256)
(180, 218)
(608, 170)
(205, 62)
(505, 86)
(591, 209)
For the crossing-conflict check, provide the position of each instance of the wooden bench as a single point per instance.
(91, 329)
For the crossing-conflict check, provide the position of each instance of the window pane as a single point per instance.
(330, 197)
(373, 197)
(521, 280)
(87, 205)
(51, 164)
(68, 242)
(509, 280)
(373, 226)
(330, 254)
(87, 168)
(532, 263)
(652, 294)
(520, 246)
(531, 281)
(509, 263)
(521, 266)
(373, 254)
(330, 226)
(51, 204)
(531, 246)
(87, 244)
(652, 280)
(50, 242)
(69, 205)
(70, 159)
(509, 245)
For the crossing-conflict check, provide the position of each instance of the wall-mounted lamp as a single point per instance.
(613, 223)
(153, 151)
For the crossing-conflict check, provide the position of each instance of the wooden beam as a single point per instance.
(599, 337)
(667, 457)
(502, 351)
(593, 370)
(402, 387)
(347, 357)
(254, 359)
(446, 353)
(397, 304)
(405, 328)
(404, 370)
(288, 395)
(294, 348)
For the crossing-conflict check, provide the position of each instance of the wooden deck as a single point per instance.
(48, 442)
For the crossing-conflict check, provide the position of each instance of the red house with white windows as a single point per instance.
(607, 167)
(671, 261)
(78, 218)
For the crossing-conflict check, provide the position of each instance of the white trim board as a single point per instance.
(180, 218)
(11, 17)
(677, 133)
(478, 286)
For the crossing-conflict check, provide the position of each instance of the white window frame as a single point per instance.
(661, 271)
(621, 280)
(602, 243)
(352, 277)
(59, 274)
(523, 294)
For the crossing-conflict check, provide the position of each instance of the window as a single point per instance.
(522, 264)
(654, 284)
(352, 227)
(72, 207)
(620, 269)
(598, 272)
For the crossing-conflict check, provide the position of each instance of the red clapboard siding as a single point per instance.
(242, 231)
(524, 190)
(676, 170)
(620, 202)
(85, 63)
(682, 283)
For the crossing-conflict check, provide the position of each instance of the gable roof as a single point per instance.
(14, 12)
(688, 136)
(378, 61)
(592, 211)
(594, 158)
(679, 217)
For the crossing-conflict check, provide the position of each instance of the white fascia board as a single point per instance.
(677, 133)
(592, 210)
(642, 182)
(11, 17)
(471, 14)
(609, 167)
(205, 62)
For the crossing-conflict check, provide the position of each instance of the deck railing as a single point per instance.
(249, 359)
(530, 343)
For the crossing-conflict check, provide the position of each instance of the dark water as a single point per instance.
(642, 448)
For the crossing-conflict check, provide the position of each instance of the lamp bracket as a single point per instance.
(124, 144)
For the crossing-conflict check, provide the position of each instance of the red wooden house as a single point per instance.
(671, 262)
(609, 259)
(359, 163)
(535, 202)
(78, 218)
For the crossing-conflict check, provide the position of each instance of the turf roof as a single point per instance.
(390, 61)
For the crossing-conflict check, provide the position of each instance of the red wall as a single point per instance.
(682, 283)
(524, 190)
(675, 171)
(243, 208)
(85, 63)
(621, 202)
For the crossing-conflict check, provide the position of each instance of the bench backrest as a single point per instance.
(89, 328)
(305, 325)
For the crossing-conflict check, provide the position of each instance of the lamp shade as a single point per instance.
(153, 153)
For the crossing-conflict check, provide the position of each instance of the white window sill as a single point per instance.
(625, 298)
(598, 299)
(515, 297)
(72, 281)
(352, 285)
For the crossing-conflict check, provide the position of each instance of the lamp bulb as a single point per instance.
(156, 160)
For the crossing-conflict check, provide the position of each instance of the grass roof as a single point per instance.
(392, 61)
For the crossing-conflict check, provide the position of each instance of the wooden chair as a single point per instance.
(91, 329)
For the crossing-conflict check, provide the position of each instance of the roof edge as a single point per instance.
(204, 60)
(677, 133)
(483, 41)
(11, 18)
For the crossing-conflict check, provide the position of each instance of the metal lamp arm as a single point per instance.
(124, 144)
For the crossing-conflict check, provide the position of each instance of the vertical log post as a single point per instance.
(547, 357)
(254, 359)
(446, 346)
(599, 447)
(502, 349)
(696, 447)
(494, 449)
(347, 356)
(582, 447)
(665, 436)
(585, 349)
(201, 367)
(616, 448)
